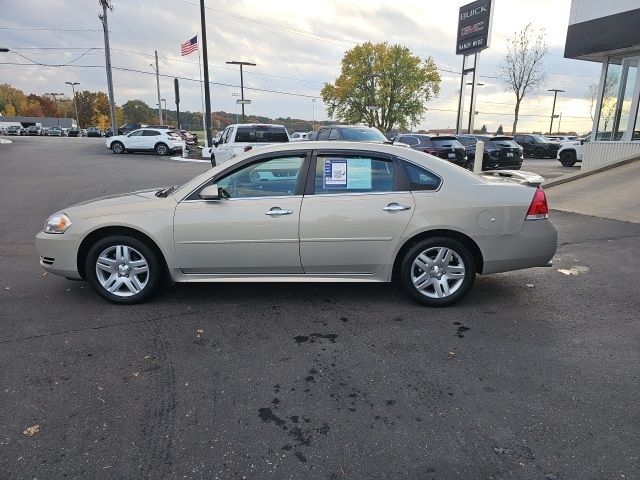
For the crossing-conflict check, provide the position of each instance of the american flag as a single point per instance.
(189, 46)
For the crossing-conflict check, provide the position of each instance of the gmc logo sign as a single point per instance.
(471, 29)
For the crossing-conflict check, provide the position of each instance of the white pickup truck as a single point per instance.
(239, 138)
(572, 152)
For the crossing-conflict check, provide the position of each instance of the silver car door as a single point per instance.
(252, 231)
(355, 216)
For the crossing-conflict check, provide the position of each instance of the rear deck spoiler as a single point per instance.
(518, 176)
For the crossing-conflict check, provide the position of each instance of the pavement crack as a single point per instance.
(564, 244)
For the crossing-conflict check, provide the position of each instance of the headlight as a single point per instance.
(57, 223)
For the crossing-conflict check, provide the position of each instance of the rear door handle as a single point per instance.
(395, 207)
(277, 211)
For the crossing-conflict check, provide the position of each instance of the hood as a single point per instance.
(139, 201)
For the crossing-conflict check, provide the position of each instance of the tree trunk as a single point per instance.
(515, 114)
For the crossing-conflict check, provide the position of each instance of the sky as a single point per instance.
(297, 46)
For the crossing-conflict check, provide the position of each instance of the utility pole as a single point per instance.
(553, 111)
(55, 96)
(176, 88)
(207, 95)
(75, 103)
(106, 5)
(157, 70)
(241, 81)
(559, 122)
(313, 114)
(234, 95)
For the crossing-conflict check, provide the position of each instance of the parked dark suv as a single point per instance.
(349, 133)
(537, 146)
(444, 146)
(500, 152)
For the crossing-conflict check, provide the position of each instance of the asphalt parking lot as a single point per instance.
(533, 376)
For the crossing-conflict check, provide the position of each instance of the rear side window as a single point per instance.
(419, 178)
(353, 174)
(334, 135)
(260, 134)
(504, 143)
(150, 133)
(323, 134)
(409, 140)
(446, 143)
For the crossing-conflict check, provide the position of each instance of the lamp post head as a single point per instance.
(4, 50)
(235, 62)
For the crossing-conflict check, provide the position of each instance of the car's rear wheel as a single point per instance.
(123, 269)
(117, 147)
(568, 159)
(162, 149)
(538, 153)
(438, 271)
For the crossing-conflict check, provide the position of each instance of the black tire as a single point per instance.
(568, 159)
(162, 149)
(538, 153)
(117, 147)
(462, 256)
(469, 165)
(154, 275)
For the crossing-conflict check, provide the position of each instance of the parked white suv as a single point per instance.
(572, 152)
(158, 140)
(298, 136)
(239, 138)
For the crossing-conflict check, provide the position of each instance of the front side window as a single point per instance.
(334, 134)
(353, 174)
(419, 178)
(274, 177)
(137, 133)
(412, 141)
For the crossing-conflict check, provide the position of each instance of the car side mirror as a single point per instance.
(210, 192)
(216, 143)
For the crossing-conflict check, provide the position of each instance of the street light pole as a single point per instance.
(236, 94)
(241, 81)
(313, 113)
(207, 95)
(161, 110)
(75, 103)
(553, 111)
(156, 68)
(55, 96)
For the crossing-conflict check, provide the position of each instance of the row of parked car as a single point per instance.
(39, 131)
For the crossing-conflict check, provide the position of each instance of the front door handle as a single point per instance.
(277, 211)
(395, 207)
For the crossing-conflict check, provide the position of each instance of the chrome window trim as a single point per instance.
(240, 199)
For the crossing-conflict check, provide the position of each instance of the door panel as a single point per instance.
(238, 236)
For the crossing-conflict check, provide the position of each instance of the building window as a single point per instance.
(617, 98)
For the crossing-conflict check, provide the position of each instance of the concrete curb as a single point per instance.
(576, 176)
(5, 140)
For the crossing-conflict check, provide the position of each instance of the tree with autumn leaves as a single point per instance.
(383, 85)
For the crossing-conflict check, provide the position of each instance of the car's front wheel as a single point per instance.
(438, 271)
(117, 147)
(123, 269)
(538, 153)
(568, 159)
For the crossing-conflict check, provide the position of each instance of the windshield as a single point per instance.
(363, 134)
(445, 142)
(504, 143)
(261, 134)
(539, 139)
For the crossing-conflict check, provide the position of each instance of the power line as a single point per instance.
(54, 65)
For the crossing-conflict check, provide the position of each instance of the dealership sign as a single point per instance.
(474, 27)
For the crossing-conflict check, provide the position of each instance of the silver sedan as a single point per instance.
(309, 212)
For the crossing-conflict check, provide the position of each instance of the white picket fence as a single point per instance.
(598, 154)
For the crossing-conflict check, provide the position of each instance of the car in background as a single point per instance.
(351, 133)
(187, 137)
(500, 152)
(74, 132)
(158, 140)
(128, 128)
(94, 132)
(83, 132)
(444, 146)
(561, 138)
(44, 131)
(14, 130)
(298, 136)
(34, 130)
(572, 152)
(55, 132)
(239, 138)
(535, 145)
(308, 212)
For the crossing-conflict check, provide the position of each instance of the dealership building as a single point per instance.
(607, 32)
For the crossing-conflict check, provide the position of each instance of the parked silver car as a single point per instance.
(309, 212)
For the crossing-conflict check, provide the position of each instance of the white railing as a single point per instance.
(598, 154)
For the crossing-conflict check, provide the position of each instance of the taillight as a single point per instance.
(247, 148)
(538, 208)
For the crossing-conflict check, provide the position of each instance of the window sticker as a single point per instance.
(335, 173)
(360, 174)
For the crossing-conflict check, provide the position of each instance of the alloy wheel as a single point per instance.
(122, 270)
(438, 272)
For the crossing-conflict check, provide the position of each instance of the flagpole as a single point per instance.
(204, 128)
